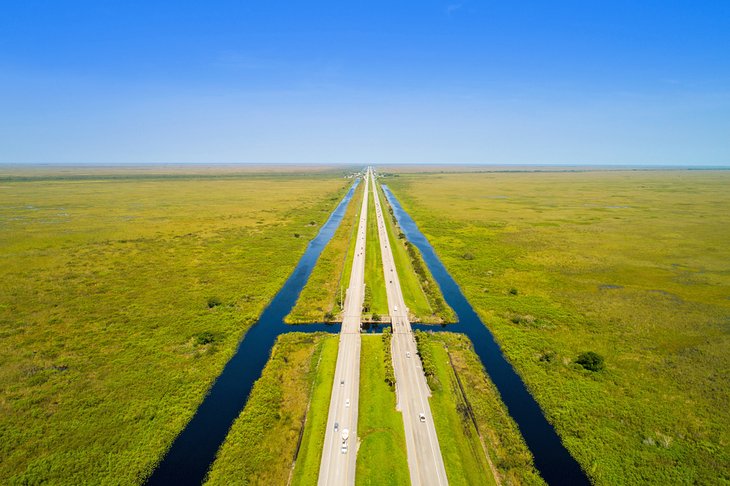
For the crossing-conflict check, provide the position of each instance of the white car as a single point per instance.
(408, 354)
(347, 402)
(422, 417)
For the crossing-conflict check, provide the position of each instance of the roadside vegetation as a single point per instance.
(123, 298)
(306, 470)
(263, 442)
(607, 291)
(381, 458)
(320, 300)
(478, 438)
(420, 291)
(376, 300)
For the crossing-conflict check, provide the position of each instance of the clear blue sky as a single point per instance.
(509, 82)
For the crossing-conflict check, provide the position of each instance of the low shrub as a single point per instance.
(591, 361)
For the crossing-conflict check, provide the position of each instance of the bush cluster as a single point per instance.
(389, 372)
(424, 351)
(591, 361)
(367, 300)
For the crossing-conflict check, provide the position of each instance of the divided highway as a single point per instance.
(425, 463)
(340, 441)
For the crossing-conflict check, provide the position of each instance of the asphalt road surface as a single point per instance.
(338, 462)
(425, 463)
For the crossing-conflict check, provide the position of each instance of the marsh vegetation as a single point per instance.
(629, 265)
(123, 297)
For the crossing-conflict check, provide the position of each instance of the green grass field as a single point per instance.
(306, 470)
(381, 459)
(122, 299)
(420, 292)
(330, 277)
(633, 265)
(462, 395)
(262, 443)
(376, 301)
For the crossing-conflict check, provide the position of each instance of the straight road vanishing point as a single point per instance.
(340, 440)
(425, 463)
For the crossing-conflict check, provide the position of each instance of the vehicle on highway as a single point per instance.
(422, 417)
(342, 382)
(347, 402)
(395, 308)
(345, 436)
(337, 426)
(408, 354)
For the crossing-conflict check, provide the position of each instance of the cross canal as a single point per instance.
(194, 450)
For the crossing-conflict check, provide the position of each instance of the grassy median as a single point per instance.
(123, 297)
(376, 300)
(382, 458)
(631, 265)
(262, 444)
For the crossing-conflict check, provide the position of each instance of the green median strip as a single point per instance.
(376, 300)
(381, 458)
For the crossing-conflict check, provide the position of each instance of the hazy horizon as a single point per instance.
(408, 83)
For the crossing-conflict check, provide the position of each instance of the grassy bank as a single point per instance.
(376, 301)
(262, 443)
(630, 265)
(319, 300)
(122, 301)
(306, 470)
(478, 438)
(381, 459)
(420, 292)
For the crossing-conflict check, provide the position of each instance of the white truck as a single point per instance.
(345, 436)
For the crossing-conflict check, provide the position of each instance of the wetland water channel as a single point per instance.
(194, 450)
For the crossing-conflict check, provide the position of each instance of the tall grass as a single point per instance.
(109, 337)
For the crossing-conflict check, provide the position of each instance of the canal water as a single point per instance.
(193, 451)
(552, 459)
